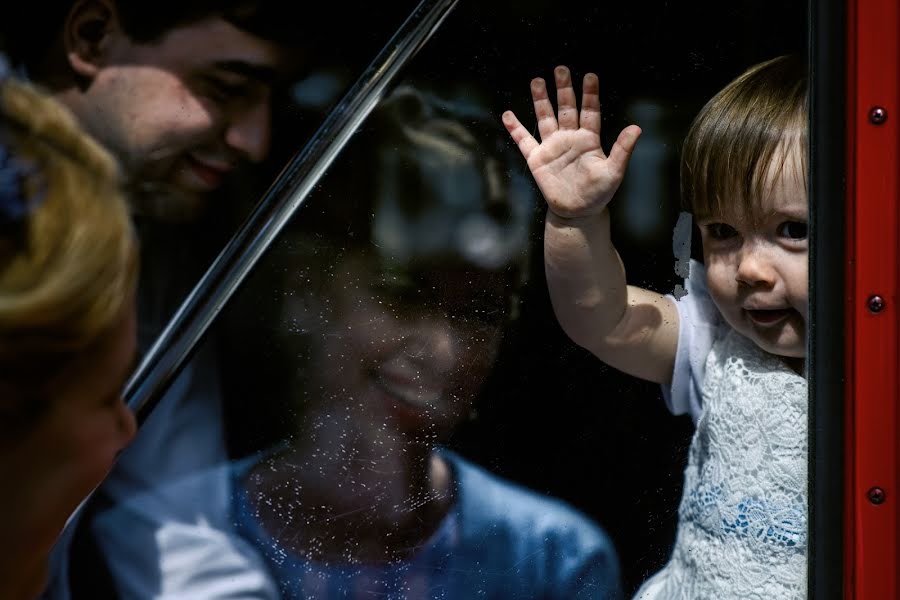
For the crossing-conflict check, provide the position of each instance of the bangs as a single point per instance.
(741, 135)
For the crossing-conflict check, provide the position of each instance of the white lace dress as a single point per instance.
(742, 528)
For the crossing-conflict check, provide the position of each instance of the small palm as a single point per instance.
(573, 173)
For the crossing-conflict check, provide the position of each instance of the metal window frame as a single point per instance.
(828, 274)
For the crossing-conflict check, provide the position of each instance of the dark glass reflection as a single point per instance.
(548, 415)
(391, 297)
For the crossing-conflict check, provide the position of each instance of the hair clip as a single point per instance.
(14, 204)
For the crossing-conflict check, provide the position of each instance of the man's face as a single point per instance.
(404, 350)
(184, 111)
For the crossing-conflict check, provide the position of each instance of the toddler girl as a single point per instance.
(731, 352)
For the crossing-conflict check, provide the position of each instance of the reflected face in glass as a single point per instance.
(182, 112)
(757, 268)
(407, 350)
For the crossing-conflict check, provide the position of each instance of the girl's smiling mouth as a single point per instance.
(770, 316)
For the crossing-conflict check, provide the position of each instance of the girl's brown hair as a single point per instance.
(727, 155)
(69, 268)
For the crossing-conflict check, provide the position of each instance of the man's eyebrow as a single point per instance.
(261, 73)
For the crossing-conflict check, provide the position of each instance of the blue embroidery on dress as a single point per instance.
(783, 526)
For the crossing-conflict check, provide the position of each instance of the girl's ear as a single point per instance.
(88, 32)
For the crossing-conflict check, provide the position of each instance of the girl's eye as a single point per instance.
(721, 231)
(795, 230)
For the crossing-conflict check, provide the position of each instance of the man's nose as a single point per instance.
(434, 342)
(755, 266)
(249, 132)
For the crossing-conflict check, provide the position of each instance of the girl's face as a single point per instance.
(404, 352)
(757, 267)
(74, 445)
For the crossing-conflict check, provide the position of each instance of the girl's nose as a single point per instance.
(755, 267)
(127, 424)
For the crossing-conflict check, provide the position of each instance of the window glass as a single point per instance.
(389, 406)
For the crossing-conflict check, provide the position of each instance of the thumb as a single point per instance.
(622, 149)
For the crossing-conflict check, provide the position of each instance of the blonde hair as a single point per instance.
(68, 272)
(728, 153)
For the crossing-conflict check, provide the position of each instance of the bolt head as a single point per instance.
(876, 495)
(875, 303)
(877, 115)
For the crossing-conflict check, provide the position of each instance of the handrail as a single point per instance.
(186, 329)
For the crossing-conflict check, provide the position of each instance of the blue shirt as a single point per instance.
(497, 541)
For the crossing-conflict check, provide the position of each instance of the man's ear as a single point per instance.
(88, 33)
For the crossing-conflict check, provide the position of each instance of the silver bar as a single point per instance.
(185, 330)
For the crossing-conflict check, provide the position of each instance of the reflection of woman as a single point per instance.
(400, 318)
(67, 329)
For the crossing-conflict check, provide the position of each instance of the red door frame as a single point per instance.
(873, 72)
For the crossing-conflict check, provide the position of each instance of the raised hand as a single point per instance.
(575, 176)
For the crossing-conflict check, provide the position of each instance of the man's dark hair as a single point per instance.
(30, 28)
(274, 20)
(399, 142)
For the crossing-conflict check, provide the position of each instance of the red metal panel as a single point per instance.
(873, 223)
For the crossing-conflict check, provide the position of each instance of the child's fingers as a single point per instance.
(621, 151)
(565, 99)
(543, 110)
(590, 103)
(523, 139)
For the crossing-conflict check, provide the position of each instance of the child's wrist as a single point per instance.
(577, 220)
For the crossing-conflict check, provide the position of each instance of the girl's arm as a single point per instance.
(629, 328)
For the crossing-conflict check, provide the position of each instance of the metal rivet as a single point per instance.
(876, 495)
(877, 115)
(876, 304)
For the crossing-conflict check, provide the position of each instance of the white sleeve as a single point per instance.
(698, 321)
(187, 558)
